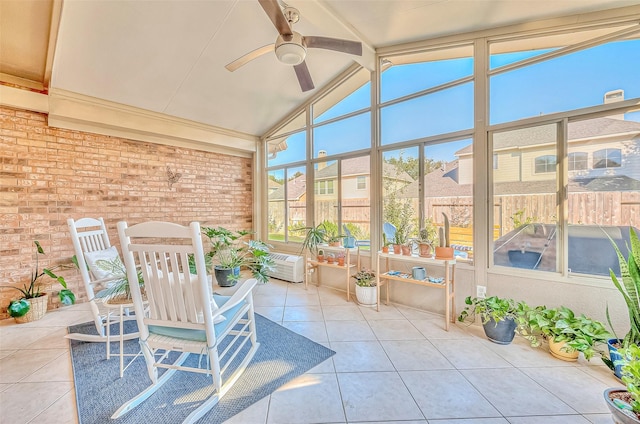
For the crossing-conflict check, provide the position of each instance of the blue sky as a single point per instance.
(565, 83)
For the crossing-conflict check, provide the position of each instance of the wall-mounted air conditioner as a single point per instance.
(288, 267)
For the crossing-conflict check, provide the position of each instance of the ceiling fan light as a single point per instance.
(290, 53)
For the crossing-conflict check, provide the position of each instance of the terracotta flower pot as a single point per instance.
(425, 250)
(397, 249)
(406, 250)
(444, 252)
(556, 349)
(340, 261)
(320, 258)
(385, 249)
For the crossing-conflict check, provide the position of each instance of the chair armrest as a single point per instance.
(239, 296)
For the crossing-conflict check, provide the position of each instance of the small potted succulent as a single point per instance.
(366, 289)
(624, 402)
(427, 237)
(33, 304)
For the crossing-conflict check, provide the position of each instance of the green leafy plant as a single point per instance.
(580, 333)
(631, 373)
(365, 278)
(18, 308)
(491, 307)
(315, 236)
(445, 241)
(428, 233)
(629, 287)
(229, 253)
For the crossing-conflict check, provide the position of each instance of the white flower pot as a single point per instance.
(367, 296)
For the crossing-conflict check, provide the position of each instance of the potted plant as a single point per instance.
(566, 333)
(427, 237)
(399, 240)
(498, 316)
(624, 402)
(385, 243)
(33, 304)
(230, 255)
(444, 251)
(366, 290)
(629, 287)
(315, 237)
(320, 255)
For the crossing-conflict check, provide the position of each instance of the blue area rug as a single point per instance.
(282, 356)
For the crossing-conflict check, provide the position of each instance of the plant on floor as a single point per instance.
(494, 307)
(625, 404)
(21, 307)
(629, 287)
(580, 333)
(498, 316)
(230, 255)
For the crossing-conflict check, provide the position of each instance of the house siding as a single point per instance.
(48, 175)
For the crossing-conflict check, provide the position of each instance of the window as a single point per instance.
(323, 187)
(577, 161)
(286, 209)
(525, 207)
(361, 182)
(546, 163)
(495, 161)
(607, 158)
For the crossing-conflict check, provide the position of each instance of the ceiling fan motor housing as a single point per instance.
(291, 51)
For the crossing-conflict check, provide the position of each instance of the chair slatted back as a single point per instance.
(88, 235)
(175, 296)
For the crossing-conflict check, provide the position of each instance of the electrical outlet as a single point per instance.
(481, 292)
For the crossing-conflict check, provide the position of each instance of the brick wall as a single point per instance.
(48, 175)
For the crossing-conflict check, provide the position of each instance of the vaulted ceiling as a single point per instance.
(169, 56)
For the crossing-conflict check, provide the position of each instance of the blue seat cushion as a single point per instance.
(199, 335)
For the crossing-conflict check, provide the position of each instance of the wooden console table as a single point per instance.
(313, 263)
(447, 284)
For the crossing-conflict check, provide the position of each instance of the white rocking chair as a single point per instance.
(89, 237)
(182, 314)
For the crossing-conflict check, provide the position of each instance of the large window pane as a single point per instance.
(448, 189)
(604, 195)
(567, 82)
(400, 193)
(352, 95)
(283, 150)
(287, 204)
(525, 211)
(343, 136)
(410, 73)
(438, 113)
(325, 194)
(356, 195)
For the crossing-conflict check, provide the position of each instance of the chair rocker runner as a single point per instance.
(90, 241)
(182, 314)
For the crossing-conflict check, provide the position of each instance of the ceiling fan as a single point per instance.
(291, 47)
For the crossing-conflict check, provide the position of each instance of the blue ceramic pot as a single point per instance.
(615, 356)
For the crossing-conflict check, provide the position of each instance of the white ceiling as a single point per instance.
(168, 56)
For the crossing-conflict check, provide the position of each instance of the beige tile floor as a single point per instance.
(393, 366)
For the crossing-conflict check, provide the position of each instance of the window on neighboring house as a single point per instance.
(607, 158)
(495, 161)
(546, 163)
(577, 161)
(323, 187)
(361, 183)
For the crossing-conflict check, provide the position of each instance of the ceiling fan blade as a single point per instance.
(273, 11)
(304, 77)
(241, 61)
(337, 44)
